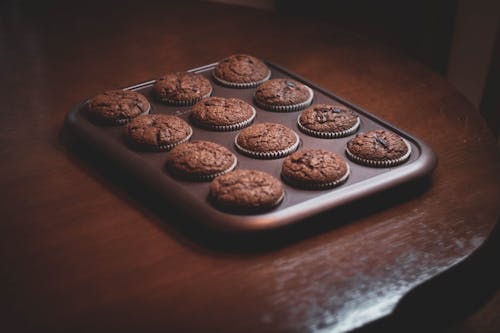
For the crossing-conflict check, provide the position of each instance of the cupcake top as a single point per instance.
(246, 189)
(267, 140)
(200, 160)
(157, 132)
(117, 106)
(283, 95)
(378, 146)
(315, 168)
(182, 88)
(326, 120)
(241, 69)
(221, 113)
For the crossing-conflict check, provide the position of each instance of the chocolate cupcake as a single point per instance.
(182, 88)
(267, 140)
(157, 132)
(241, 71)
(328, 121)
(283, 95)
(115, 107)
(314, 169)
(222, 114)
(378, 148)
(200, 160)
(248, 190)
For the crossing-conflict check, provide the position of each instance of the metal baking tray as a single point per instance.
(192, 197)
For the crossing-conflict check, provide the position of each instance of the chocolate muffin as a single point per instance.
(283, 95)
(246, 190)
(267, 140)
(157, 132)
(182, 88)
(378, 148)
(117, 107)
(222, 114)
(241, 71)
(314, 169)
(328, 121)
(200, 160)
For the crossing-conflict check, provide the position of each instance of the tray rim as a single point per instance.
(223, 221)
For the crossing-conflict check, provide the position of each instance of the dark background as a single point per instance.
(421, 29)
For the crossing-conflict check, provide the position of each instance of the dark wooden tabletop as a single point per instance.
(82, 248)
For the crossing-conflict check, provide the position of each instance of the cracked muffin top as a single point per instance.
(377, 145)
(267, 140)
(157, 132)
(241, 70)
(182, 88)
(117, 106)
(266, 137)
(246, 189)
(283, 95)
(222, 113)
(202, 160)
(315, 167)
(327, 120)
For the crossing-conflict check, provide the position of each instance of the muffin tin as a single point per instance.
(192, 197)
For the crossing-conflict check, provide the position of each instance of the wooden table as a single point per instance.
(82, 248)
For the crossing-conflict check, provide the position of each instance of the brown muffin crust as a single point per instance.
(200, 160)
(157, 131)
(241, 68)
(246, 189)
(117, 106)
(327, 118)
(378, 145)
(267, 137)
(313, 167)
(282, 92)
(220, 111)
(182, 87)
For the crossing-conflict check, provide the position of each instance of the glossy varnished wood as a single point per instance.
(83, 248)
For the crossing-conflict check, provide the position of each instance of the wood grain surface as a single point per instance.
(83, 248)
